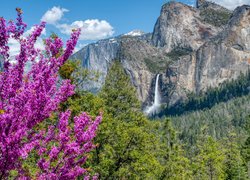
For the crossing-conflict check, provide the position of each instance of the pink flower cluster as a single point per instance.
(27, 99)
(70, 152)
(6, 31)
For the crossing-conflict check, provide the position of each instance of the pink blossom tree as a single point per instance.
(28, 98)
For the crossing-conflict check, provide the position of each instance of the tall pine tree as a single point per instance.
(233, 163)
(127, 145)
(208, 163)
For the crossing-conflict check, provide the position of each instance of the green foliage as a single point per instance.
(156, 65)
(215, 17)
(178, 52)
(118, 92)
(67, 70)
(216, 160)
(245, 150)
(176, 165)
(208, 164)
(219, 121)
(246, 145)
(84, 102)
(127, 145)
(233, 163)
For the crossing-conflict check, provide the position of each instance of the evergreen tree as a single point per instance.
(128, 145)
(245, 151)
(176, 165)
(233, 163)
(208, 163)
(118, 93)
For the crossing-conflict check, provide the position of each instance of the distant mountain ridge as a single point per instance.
(192, 48)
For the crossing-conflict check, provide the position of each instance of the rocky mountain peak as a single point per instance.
(174, 8)
(181, 26)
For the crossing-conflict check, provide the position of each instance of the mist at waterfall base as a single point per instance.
(151, 110)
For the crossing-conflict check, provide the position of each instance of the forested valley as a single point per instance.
(210, 141)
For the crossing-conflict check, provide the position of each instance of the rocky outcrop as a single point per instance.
(180, 26)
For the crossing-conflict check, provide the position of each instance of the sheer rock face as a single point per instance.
(97, 57)
(132, 55)
(180, 25)
(130, 50)
(222, 58)
(215, 53)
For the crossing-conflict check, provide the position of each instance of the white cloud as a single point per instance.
(231, 4)
(53, 15)
(15, 45)
(91, 29)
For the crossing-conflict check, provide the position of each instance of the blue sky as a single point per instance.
(99, 18)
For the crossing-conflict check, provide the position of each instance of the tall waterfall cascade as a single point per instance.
(157, 99)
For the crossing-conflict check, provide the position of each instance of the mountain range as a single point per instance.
(192, 48)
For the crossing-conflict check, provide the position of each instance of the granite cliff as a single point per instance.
(193, 48)
(221, 58)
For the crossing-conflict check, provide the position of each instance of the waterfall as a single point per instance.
(156, 105)
(157, 94)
